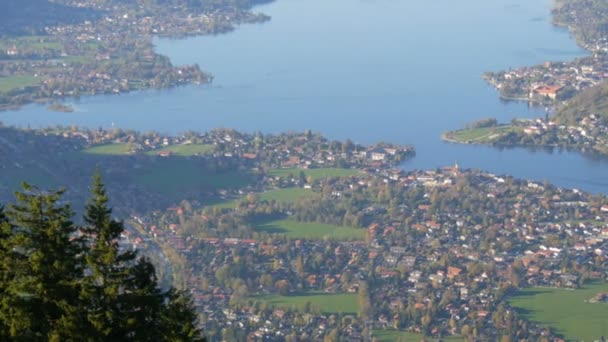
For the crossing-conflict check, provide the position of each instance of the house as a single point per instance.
(453, 272)
(546, 91)
(12, 51)
(164, 153)
(378, 154)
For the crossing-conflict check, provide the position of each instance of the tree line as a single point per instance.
(60, 281)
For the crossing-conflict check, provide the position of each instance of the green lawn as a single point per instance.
(315, 173)
(185, 150)
(324, 302)
(174, 175)
(16, 82)
(480, 135)
(288, 195)
(401, 336)
(309, 230)
(109, 149)
(31, 42)
(566, 310)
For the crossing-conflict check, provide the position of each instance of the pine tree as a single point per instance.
(180, 319)
(122, 292)
(5, 271)
(107, 267)
(59, 285)
(40, 301)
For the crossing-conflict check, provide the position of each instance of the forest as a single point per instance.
(62, 281)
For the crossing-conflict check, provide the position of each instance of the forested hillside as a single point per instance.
(587, 18)
(590, 101)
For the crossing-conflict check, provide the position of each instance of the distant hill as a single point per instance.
(593, 100)
(587, 18)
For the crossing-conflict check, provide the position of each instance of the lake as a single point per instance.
(368, 70)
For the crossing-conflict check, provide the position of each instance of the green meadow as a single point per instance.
(287, 195)
(309, 230)
(323, 302)
(402, 336)
(567, 312)
(315, 173)
(480, 135)
(185, 150)
(109, 149)
(16, 82)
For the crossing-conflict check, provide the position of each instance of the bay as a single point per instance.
(402, 71)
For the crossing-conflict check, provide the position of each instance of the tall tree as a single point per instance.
(40, 301)
(108, 266)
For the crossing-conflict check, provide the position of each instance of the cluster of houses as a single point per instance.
(591, 132)
(550, 81)
(417, 259)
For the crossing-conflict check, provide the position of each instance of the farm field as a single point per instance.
(566, 311)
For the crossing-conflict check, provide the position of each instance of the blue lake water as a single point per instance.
(402, 71)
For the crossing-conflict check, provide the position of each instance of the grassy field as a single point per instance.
(314, 173)
(171, 176)
(288, 195)
(16, 82)
(324, 302)
(185, 150)
(401, 336)
(566, 311)
(479, 135)
(30, 42)
(109, 149)
(309, 230)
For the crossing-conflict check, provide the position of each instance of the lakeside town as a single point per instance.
(109, 51)
(431, 265)
(589, 135)
(163, 169)
(554, 82)
(325, 228)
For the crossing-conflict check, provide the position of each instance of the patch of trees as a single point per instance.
(589, 17)
(60, 281)
(593, 100)
(483, 123)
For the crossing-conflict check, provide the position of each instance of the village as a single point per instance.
(554, 82)
(430, 265)
(551, 82)
(106, 54)
(590, 134)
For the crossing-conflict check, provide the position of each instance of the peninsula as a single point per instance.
(581, 124)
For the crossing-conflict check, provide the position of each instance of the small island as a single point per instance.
(60, 107)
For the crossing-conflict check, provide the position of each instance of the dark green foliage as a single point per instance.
(62, 282)
(593, 100)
